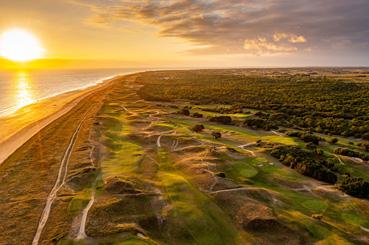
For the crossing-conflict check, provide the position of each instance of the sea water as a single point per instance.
(21, 88)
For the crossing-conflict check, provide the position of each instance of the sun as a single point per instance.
(20, 46)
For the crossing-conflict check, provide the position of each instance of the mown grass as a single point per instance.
(241, 170)
(239, 134)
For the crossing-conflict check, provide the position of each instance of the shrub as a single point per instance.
(354, 186)
(185, 112)
(259, 123)
(197, 115)
(198, 128)
(333, 141)
(221, 119)
(306, 137)
(351, 153)
(305, 162)
(216, 135)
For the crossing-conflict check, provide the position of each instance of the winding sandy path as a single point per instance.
(277, 133)
(82, 228)
(249, 151)
(158, 141)
(235, 189)
(60, 181)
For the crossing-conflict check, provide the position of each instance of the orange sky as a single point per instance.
(197, 33)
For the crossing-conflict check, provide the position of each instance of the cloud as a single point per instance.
(226, 27)
(292, 38)
(297, 39)
(261, 46)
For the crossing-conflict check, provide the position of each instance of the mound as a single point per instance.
(111, 229)
(111, 215)
(258, 219)
(118, 185)
(82, 177)
(159, 128)
(139, 123)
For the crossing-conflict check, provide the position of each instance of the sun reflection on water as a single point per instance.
(23, 90)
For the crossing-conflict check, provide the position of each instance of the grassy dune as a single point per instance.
(155, 181)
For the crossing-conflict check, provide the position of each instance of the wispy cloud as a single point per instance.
(292, 38)
(261, 46)
(235, 26)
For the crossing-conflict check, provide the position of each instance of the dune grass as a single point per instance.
(196, 217)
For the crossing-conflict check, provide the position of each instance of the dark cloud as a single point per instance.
(248, 26)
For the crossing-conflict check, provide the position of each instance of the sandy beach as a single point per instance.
(19, 127)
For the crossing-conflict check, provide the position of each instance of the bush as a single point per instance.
(306, 137)
(198, 128)
(310, 146)
(221, 119)
(354, 186)
(351, 153)
(259, 123)
(305, 162)
(216, 135)
(333, 141)
(197, 115)
(185, 112)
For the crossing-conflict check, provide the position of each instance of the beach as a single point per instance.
(18, 127)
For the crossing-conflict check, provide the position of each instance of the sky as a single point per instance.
(195, 33)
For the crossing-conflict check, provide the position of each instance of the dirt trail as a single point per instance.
(82, 228)
(247, 145)
(60, 181)
(277, 133)
(158, 141)
(235, 189)
(166, 133)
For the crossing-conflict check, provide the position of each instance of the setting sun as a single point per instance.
(20, 45)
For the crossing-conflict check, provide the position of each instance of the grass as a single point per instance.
(126, 154)
(241, 170)
(196, 217)
(240, 133)
(192, 216)
(79, 201)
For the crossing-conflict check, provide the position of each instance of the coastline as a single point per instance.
(22, 125)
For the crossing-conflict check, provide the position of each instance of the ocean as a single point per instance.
(21, 88)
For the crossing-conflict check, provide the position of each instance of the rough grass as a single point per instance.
(78, 202)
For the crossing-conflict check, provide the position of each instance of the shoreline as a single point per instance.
(23, 124)
(9, 111)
